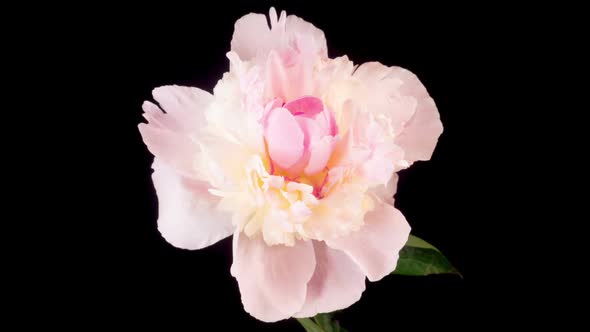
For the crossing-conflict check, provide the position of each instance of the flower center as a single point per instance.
(300, 137)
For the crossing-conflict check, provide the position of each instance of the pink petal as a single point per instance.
(320, 153)
(185, 104)
(328, 122)
(169, 136)
(271, 105)
(296, 26)
(251, 35)
(421, 132)
(375, 247)
(155, 117)
(382, 162)
(174, 149)
(387, 191)
(289, 73)
(187, 211)
(297, 168)
(284, 138)
(311, 131)
(336, 284)
(289, 63)
(272, 279)
(384, 93)
(307, 106)
(399, 94)
(276, 77)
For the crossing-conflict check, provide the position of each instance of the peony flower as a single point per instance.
(295, 154)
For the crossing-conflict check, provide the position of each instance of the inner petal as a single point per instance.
(307, 106)
(320, 153)
(284, 138)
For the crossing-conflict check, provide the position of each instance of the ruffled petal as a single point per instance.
(421, 132)
(171, 148)
(382, 162)
(172, 136)
(383, 96)
(398, 95)
(296, 26)
(387, 191)
(186, 105)
(251, 36)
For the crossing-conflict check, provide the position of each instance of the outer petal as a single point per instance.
(187, 215)
(184, 104)
(387, 191)
(171, 136)
(383, 161)
(375, 247)
(286, 51)
(399, 94)
(251, 35)
(421, 132)
(253, 38)
(298, 27)
(158, 119)
(383, 97)
(175, 150)
(272, 279)
(336, 284)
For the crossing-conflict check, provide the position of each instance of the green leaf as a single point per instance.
(420, 258)
(416, 242)
(321, 323)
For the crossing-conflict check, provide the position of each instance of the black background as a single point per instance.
(129, 274)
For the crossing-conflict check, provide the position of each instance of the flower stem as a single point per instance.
(321, 323)
(309, 325)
